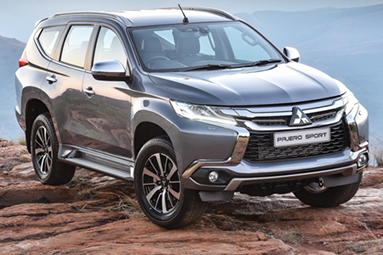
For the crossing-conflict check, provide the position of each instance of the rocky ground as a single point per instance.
(95, 214)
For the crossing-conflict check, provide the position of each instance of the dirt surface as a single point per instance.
(95, 214)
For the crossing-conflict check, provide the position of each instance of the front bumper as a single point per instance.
(237, 172)
(344, 164)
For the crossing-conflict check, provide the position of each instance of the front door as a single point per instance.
(107, 106)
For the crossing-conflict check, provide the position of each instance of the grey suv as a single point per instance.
(193, 105)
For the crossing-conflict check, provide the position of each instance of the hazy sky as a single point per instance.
(19, 16)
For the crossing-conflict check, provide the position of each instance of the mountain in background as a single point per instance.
(347, 44)
(10, 52)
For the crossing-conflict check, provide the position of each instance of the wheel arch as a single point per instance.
(34, 102)
(34, 108)
(146, 131)
(151, 118)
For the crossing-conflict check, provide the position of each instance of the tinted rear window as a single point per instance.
(48, 39)
(76, 45)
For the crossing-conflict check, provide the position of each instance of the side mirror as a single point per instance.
(292, 53)
(109, 70)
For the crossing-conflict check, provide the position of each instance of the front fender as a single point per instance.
(192, 140)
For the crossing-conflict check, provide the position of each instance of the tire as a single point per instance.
(328, 197)
(44, 150)
(159, 188)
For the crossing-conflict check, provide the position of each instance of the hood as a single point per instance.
(272, 84)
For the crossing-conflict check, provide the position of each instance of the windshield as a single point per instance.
(196, 46)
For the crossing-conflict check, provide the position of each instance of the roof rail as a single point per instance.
(204, 9)
(39, 21)
(94, 14)
(212, 10)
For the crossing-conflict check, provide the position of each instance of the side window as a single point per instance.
(76, 45)
(48, 38)
(244, 47)
(109, 47)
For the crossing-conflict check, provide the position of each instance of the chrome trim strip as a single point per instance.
(255, 127)
(269, 120)
(283, 110)
(363, 145)
(235, 158)
(322, 115)
(40, 49)
(229, 112)
(248, 114)
(279, 111)
(337, 104)
(234, 183)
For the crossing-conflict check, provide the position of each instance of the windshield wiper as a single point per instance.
(206, 67)
(257, 63)
(225, 66)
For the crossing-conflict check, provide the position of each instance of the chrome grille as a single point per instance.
(260, 147)
(319, 116)
(272, 121)
(285, 120)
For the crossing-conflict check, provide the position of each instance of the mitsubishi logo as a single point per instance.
(299, 118)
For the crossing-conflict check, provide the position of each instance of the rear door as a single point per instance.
(64, 81)
(107, 105)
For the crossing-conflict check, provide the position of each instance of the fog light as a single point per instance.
(362, 160)
(213, 176)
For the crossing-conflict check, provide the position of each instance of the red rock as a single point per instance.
(372, 176)
(23, 171)
(140, 236)
(12, 154)
(34, 192)
(95, 214)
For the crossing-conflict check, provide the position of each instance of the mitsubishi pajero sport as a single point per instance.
(190, 104)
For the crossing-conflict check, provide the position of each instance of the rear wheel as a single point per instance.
(317, 196)
(44, 151)
(159, 188)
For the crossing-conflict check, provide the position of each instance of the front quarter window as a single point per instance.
(109, 47)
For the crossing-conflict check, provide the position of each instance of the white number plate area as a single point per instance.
(317, 135)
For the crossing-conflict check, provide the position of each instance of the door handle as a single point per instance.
(89, 91)
(51, 78)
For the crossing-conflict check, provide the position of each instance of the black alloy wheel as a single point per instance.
(44, 151)
(159, 188)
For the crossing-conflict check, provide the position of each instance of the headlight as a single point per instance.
(202, 113)
(349, 101)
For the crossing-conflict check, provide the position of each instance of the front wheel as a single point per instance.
(327, 197)
(159, 188)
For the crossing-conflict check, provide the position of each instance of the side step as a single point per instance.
(118, 167)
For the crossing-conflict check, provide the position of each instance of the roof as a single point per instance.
(162, 16)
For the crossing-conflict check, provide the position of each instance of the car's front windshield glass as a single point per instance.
(201, 45)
